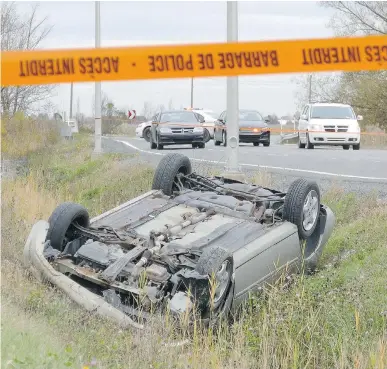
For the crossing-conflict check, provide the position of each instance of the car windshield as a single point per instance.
(210, 114)
(332, 112)
(249, 115)
(178, 116)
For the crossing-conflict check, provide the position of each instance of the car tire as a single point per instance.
(201, 145)
(194, 145)
(266, 144)
(224, 139)
(60, 223)
(300, 144)
(309, 145)
(207, 136)
(158, 145)
(211, 261)
(152, 144)
(256, 143)
(295, 206)
(346, 147)
(356, 147)
(168, 168)
(147, 134)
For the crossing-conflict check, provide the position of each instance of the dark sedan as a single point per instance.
(177, 127)
(252, 128)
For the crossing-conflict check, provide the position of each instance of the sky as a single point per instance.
(125, 23)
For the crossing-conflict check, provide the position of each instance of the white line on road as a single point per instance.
(260, 166)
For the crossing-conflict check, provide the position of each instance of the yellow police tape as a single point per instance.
(196, 60)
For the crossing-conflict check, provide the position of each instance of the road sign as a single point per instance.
(193, 60)
(131, 114)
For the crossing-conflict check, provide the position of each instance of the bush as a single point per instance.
(22, 135)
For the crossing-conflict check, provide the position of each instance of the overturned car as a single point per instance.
(192, 241)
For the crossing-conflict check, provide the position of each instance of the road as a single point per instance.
(364, 170)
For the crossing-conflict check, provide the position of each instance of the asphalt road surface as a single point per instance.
(357, 171)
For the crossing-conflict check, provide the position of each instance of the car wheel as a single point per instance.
(194, 145)
(256, 143)
(308, 144)
(61, 220)
(300, 144)
(165, 177)
(346, 147)
(224, 138)
(217, 264)
(146, 134)
(266, 144)
(207, 136)
(356, 147)
(302, 206)
(152, 144)
(201, 145)
(217, 143)
(158, 145)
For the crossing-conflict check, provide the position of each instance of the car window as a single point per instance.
(200, 117)
(211, 114)
(249, 115)
(332, 112)
(178, 116)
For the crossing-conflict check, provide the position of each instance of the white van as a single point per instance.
(329, 124)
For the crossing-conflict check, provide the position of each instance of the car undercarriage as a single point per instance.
(192, 243)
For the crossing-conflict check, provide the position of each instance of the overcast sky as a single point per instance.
(145, 22)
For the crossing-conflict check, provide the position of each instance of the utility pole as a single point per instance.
(232, 169)
(310, 89)
(192, 87)
(98, 125)
(71, 101)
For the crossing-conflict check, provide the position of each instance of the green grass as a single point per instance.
(334, 319)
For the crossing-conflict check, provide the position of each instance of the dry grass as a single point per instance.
(21, 136)
(331, 320)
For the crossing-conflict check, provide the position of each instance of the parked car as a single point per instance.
(329, 124)
(177, 127)
(210, 119)
(252, 128)
(191, 241)
(143, 130)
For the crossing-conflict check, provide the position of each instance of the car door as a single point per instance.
(219, 127)
(264, 260)
(303, 122)
(155, 120)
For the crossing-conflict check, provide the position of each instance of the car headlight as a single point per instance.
(316, 127)
(165, 130)
(198, 129)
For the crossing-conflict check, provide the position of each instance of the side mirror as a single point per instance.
(202, 121)
(359, 117)
(221, 121)
(267, 120)
(304, 117)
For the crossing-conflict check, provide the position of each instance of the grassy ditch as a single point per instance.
(334, 319)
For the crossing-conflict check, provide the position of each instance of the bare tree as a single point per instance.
(20, 32)
(365, 91)
(358, 17)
